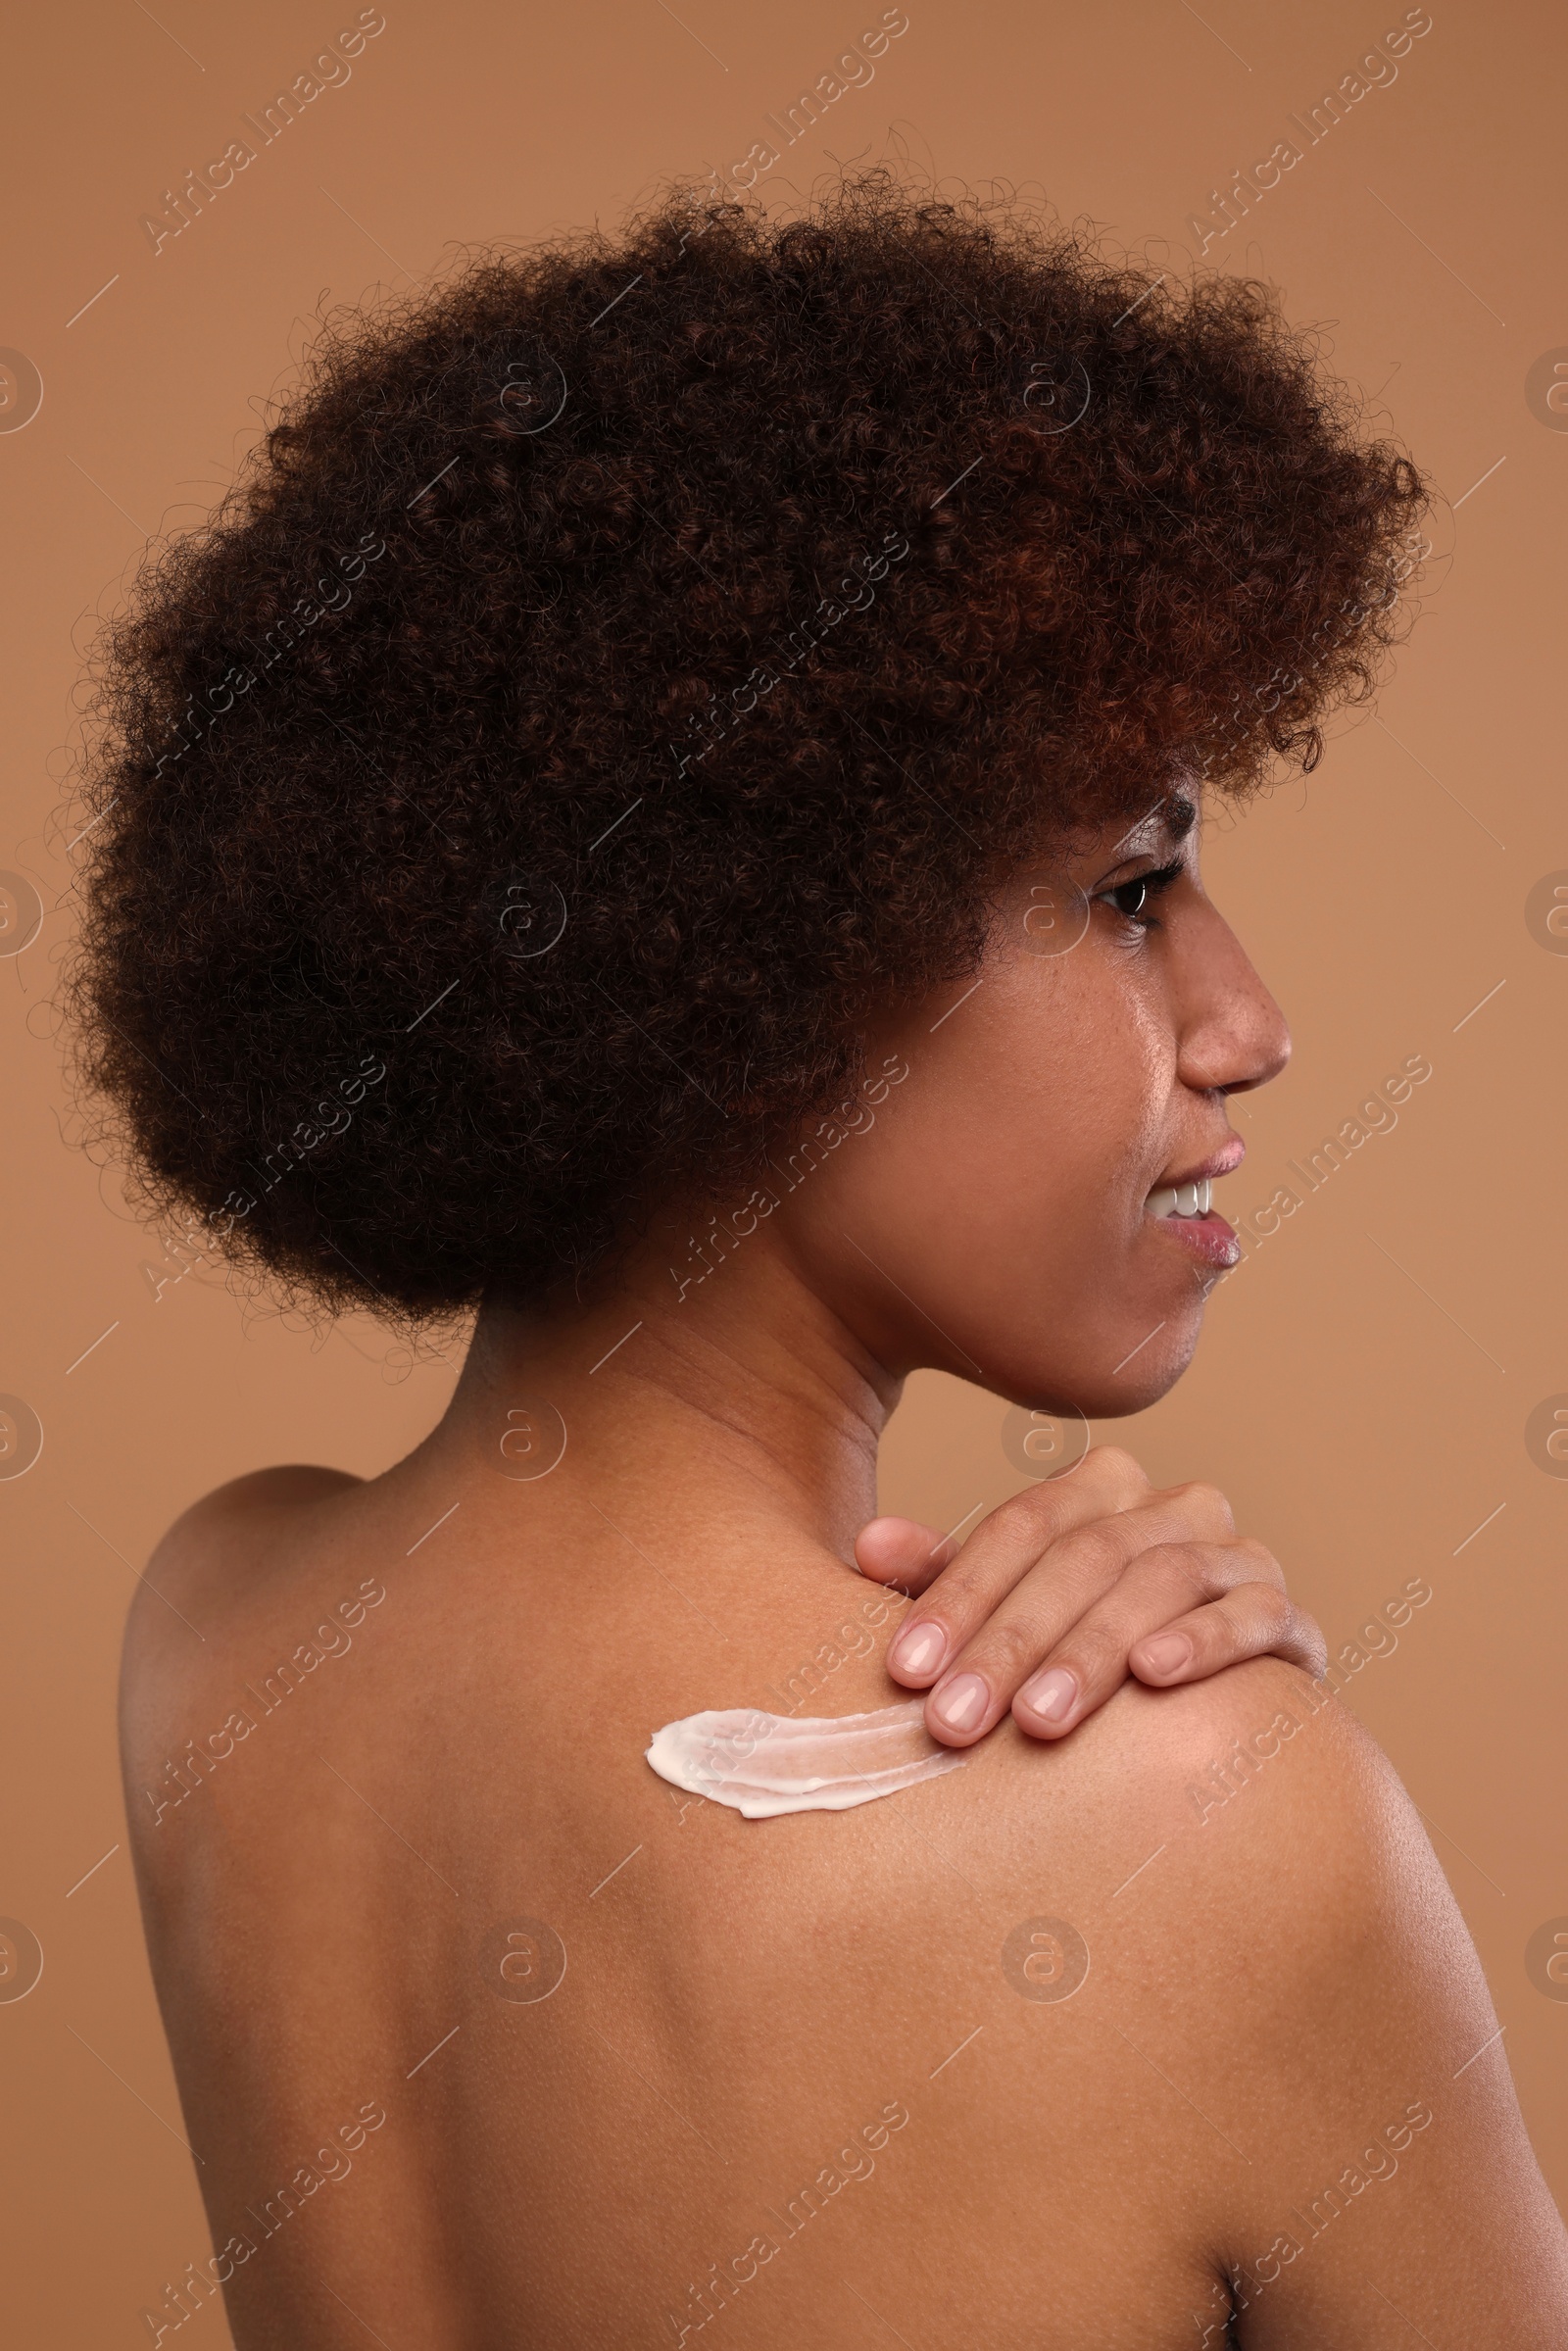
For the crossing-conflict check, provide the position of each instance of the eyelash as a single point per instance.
(1152, 885)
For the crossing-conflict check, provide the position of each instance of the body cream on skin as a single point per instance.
(765, 1764)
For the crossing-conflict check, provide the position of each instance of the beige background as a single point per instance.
(1364, 1384)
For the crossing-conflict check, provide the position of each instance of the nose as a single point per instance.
(1232, 1034)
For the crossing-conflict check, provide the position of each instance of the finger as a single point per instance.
(1253, 1620)
(1084, 1548)
(1058, 1647)
(903, 1553)
(1153, 1598)
(1001, 1551)
(977, 1680)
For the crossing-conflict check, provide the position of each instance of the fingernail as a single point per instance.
(1166, 1652)
(919, 1649)
(1052, 1697)
(962, 1702)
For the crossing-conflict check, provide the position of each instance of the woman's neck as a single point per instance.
(743, 1397)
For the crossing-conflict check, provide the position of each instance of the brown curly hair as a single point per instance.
(622, 665)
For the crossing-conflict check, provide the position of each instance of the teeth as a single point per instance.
(1182, 1200)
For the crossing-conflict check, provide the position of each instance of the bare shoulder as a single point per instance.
(197, 1558)
(208, 1521)
(1177, 1766)
(211, 1584)
(1254, 1822)
(1272, 1942)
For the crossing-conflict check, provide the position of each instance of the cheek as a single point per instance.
(1107, 1074)
(1017, 1152)
(991, 1222)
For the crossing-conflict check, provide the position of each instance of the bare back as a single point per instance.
(486, 2036)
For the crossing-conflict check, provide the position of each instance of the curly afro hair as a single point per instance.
(621, 667)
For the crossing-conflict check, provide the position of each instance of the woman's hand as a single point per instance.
(1071, 1584)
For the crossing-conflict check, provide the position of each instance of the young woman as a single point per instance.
(666, 808)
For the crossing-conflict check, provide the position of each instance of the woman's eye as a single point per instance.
(1134, 899)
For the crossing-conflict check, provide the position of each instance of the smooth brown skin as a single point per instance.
(1278, 1978)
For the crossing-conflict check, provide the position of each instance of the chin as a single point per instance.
(1154, 1371)
(1114, 1400)
(1100, 1392)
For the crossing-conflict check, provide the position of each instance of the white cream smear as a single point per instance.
(764, 1764)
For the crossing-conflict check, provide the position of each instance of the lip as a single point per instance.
(1222, 1162)
(1209, 1237)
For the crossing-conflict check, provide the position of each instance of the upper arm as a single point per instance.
(1388, 2175)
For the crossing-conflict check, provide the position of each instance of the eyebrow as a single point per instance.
(1175, 815)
